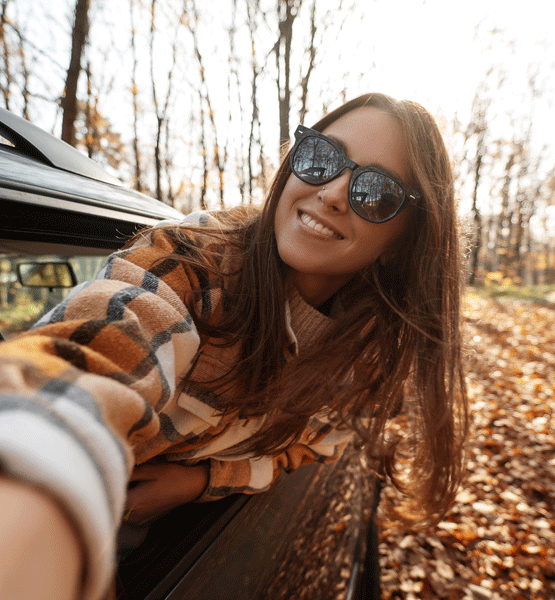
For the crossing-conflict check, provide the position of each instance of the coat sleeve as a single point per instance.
(80, 394)
(319, 443)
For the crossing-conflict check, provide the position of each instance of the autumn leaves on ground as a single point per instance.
(498, 542)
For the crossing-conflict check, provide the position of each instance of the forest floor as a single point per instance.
(498, 541)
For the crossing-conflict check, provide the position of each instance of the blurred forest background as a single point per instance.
(190, 102)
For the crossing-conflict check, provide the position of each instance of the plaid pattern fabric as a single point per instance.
(98, 386)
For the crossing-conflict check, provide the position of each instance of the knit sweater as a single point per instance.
(98, 386)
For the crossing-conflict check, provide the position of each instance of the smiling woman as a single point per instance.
(319, 236)
(211, 354)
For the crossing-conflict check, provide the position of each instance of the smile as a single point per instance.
(317, 226)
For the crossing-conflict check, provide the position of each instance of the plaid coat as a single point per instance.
(98, 386)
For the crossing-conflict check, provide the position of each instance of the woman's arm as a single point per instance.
(80, 396)
(155, 489)
(36, 538)
(318, 443)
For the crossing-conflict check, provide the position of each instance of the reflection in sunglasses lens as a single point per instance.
(316, 160)
(376, 196)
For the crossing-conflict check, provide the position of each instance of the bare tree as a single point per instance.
(90, 123)
(161, 111)
(311, 58)
(159, 116)
(548, 246)
(503, 221)
(137, 184)
(97, 134)
(15, 74)
(6, 54)
(234, 82)
(287, 11)
(69, 103)
(204, 153)
(25, 92)
(168, 163)
(206, 97)
(255, 69)
(477, 130)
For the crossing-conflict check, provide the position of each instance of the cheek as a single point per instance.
(293, 191)
(380, 241)
(294, 188)
(279, 217)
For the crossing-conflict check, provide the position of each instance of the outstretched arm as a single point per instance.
(80, 397)
(36, 537)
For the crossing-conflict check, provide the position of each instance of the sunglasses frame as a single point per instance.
(409, 195)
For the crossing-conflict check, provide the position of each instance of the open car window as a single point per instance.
(24, 300)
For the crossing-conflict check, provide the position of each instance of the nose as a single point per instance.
(334, 194)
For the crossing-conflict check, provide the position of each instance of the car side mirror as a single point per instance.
(46, 274)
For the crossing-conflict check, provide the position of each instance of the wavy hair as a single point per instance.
(397, 346)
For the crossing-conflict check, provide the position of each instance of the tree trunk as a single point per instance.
(6, 54)
(254, 98)
(157, 158)
(162, 113)
(311, 59)
(204, 187)
(69, 100)
(477, 219)
(90, 134)
(134, 92)
(504, 220)
(205, 95)
(25, 73)
(287, 12)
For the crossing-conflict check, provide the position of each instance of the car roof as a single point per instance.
(40, 145)
(53, 194)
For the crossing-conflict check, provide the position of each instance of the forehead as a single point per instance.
(372, 137)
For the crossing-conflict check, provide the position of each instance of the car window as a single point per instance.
(23, 303)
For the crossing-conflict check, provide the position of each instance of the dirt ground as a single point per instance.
(498, 541)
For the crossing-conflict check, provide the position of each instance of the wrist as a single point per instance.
(199, 477)
(190, 481)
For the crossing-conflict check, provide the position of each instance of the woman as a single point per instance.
(216, 354)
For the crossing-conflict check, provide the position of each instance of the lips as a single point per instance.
(319, 226)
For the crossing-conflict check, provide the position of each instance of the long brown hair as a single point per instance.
(401, 325)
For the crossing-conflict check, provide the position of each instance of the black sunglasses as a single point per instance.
(374, 194)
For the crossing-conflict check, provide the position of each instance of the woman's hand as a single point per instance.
(162, 487)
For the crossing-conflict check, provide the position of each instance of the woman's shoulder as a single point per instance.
(231, 219)
(218, 237)
(204, 228)
(203, 239)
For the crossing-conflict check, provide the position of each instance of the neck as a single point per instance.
(316, 289)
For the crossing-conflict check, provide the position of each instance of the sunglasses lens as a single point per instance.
(375, 197)
(316, 161)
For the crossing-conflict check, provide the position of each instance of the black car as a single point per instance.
(312, 536)
(61, 208)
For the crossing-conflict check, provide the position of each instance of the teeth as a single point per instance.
(313, 224)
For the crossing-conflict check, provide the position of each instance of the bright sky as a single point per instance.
(432, 51)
